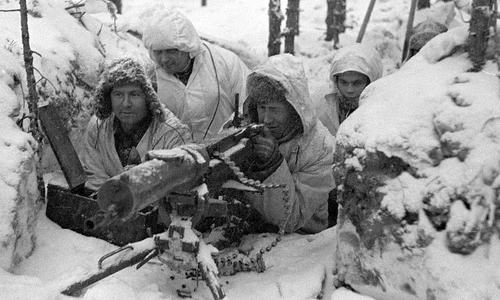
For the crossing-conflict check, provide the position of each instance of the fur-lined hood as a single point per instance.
(288, 70)
(126, 70)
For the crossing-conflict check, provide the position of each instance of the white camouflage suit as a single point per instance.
(308, 157)
(217, 75)
(356, 57)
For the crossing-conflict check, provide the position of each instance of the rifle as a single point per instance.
(200, 169)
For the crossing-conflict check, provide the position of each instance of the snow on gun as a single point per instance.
(122, 196)
(178, 244)
(193, 167)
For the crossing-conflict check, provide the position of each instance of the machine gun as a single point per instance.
(202, 170)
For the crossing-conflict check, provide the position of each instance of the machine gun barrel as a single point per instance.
(175, 170)
(181, 168)
(131, 191)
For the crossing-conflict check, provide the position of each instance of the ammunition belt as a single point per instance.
(235, 262)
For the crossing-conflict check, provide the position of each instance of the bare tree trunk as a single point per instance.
(292, 25)
(275, 18)
(119, 6)
(496, 38)
(203, 2)
(365, 21)
(409, 28)
(32, 93)
(335, 18)
(423, 4)
(28, 65)
(481, 20)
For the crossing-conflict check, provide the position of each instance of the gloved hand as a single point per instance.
(266, 149)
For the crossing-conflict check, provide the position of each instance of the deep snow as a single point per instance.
(300, 266)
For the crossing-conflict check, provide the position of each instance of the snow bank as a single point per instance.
(18, 191)
(70, 49)
(69, 52)
(419, 166)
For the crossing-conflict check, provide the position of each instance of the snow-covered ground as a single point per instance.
(300, 267)
(295, 270)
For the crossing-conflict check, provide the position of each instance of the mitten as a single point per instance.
(265, 147)
(267, 154)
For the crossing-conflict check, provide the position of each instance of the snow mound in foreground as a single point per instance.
(419, 175)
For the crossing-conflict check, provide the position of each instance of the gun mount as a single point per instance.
(179, 169)
(187, 178)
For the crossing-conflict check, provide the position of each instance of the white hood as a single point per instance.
(359, 58)
(171, 30)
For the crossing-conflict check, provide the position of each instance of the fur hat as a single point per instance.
(265, 90)
(121, 71)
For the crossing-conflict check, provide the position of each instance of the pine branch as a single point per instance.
(45, 78)
(275, 18)
(112, 11)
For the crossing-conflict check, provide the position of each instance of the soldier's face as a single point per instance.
(129, 104)
(351, 84)
(172, 60)
(277, 116)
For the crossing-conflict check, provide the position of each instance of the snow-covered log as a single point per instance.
(419, 175)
